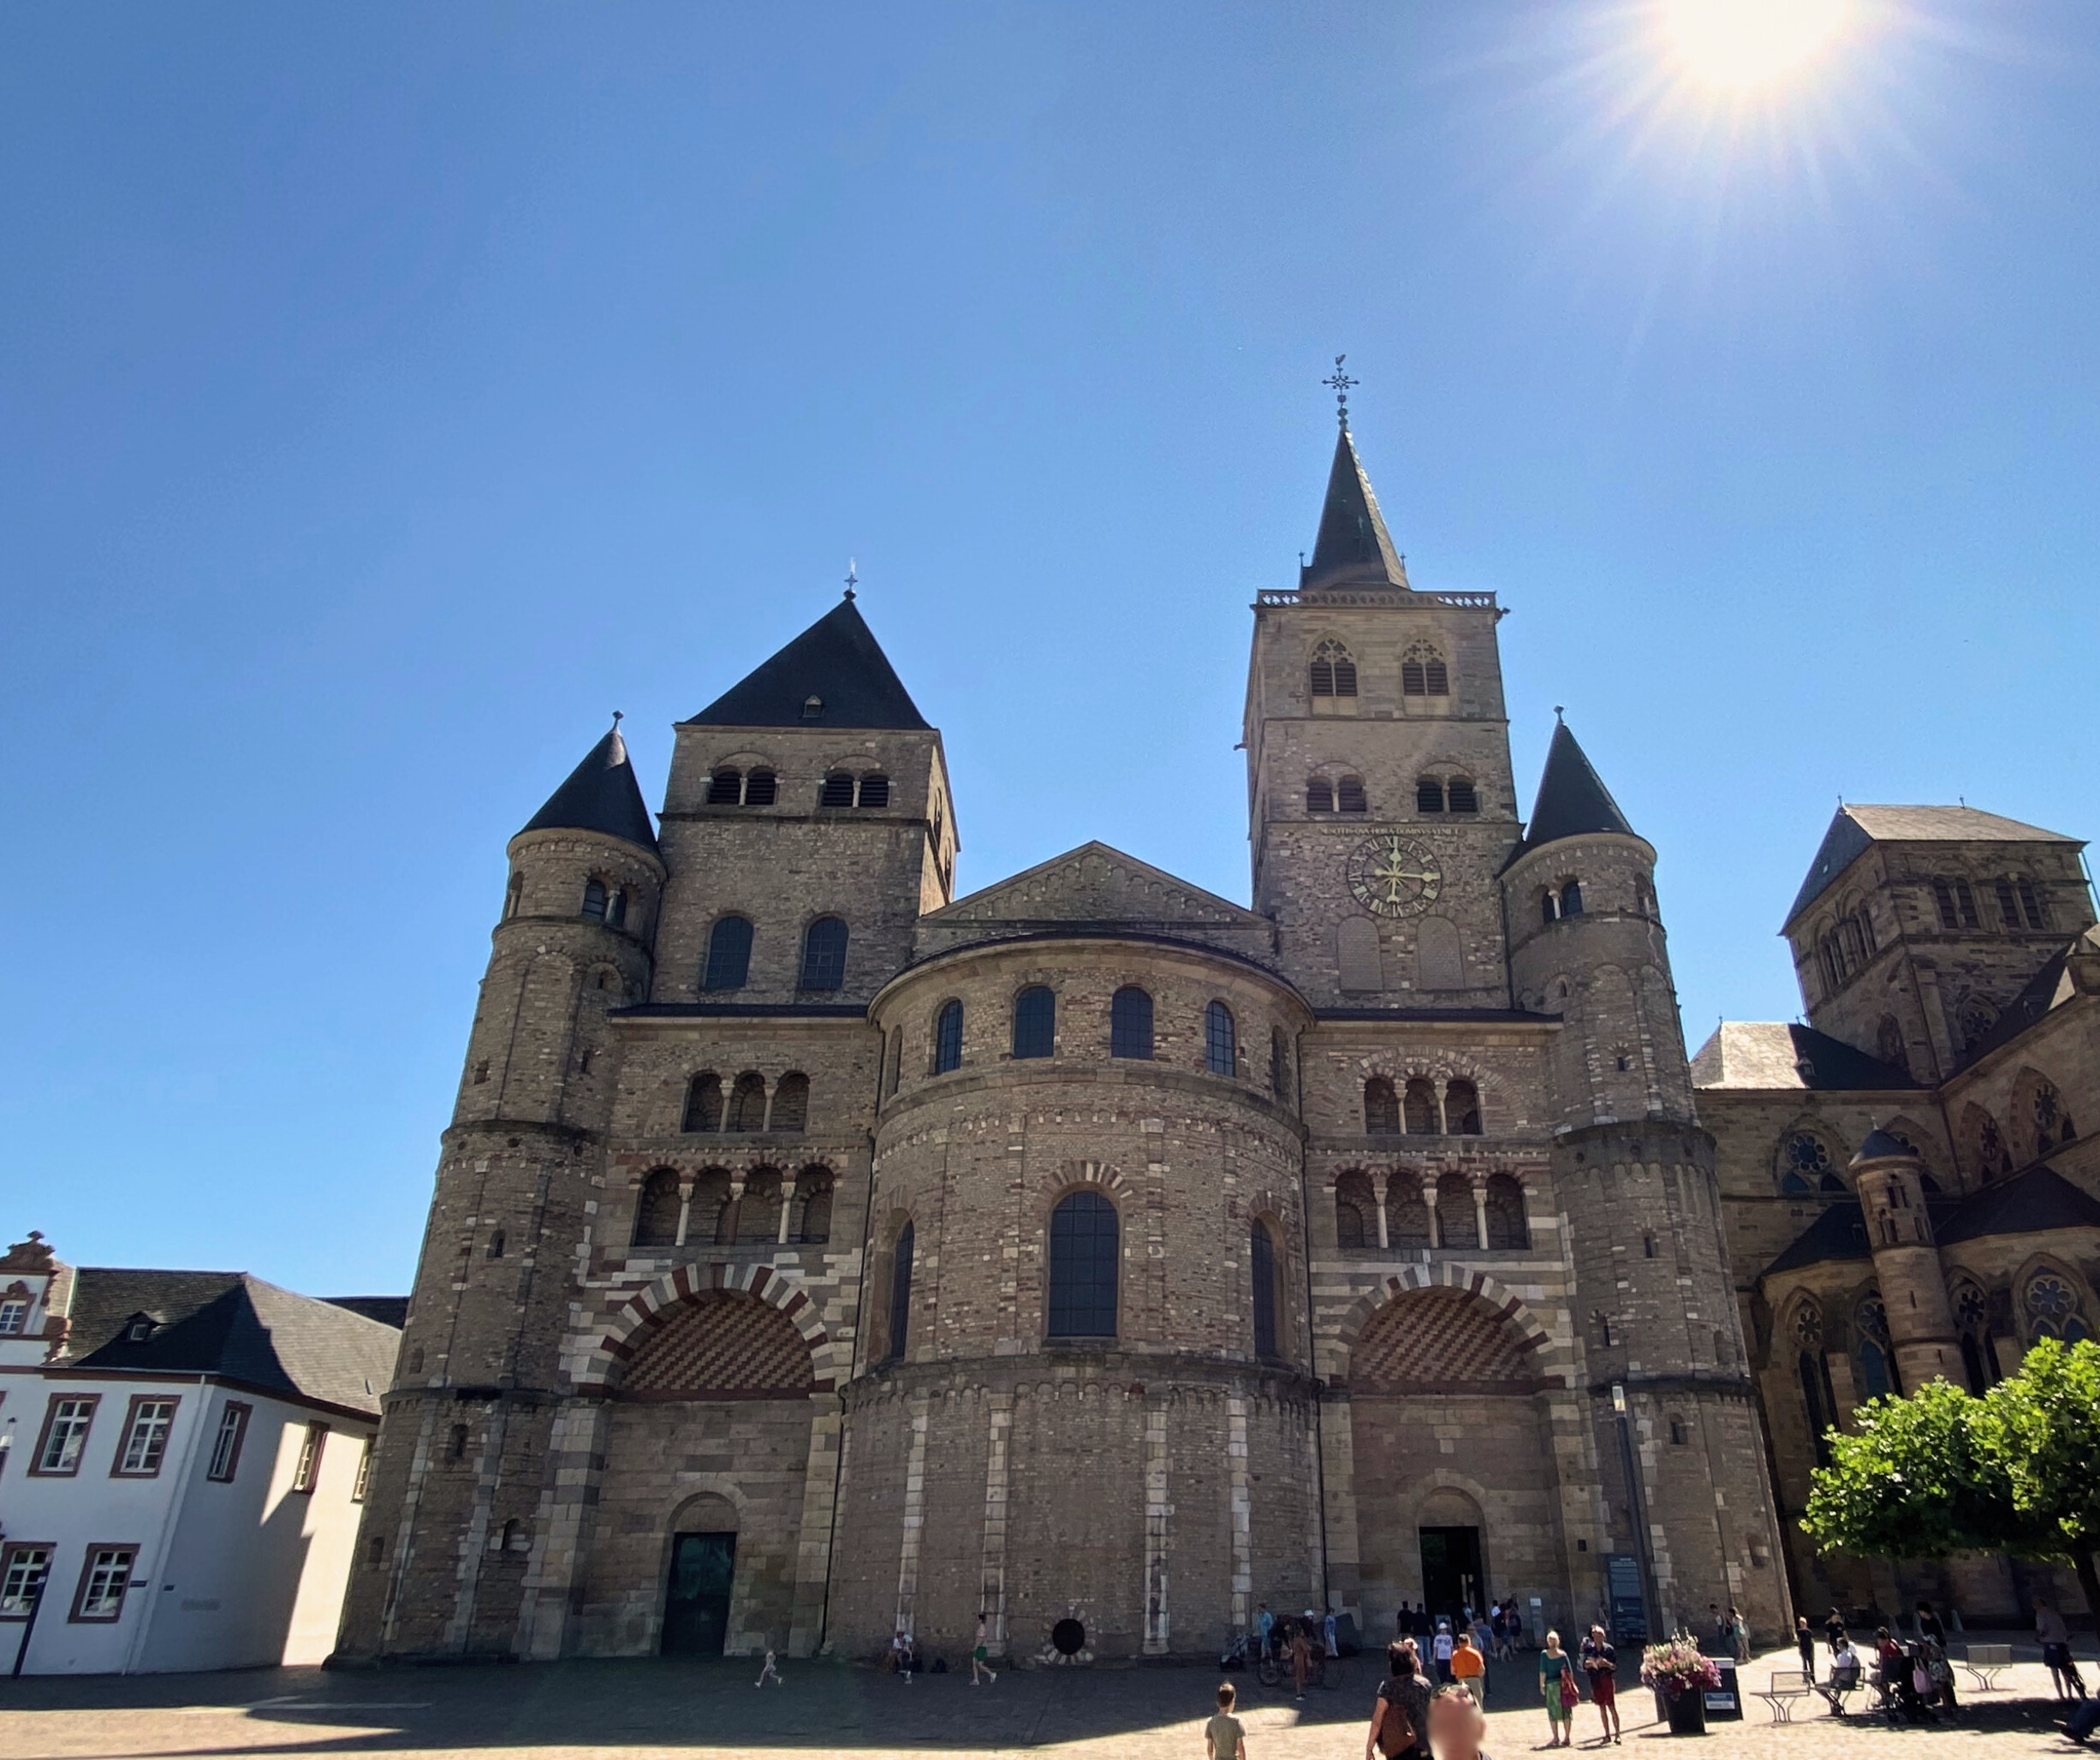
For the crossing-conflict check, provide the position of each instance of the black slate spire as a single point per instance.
(1573, 799)
(834, 674)
(601, 795)
(1354, 547)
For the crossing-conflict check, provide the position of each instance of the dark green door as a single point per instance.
(1451, 1572)
(696, 1613)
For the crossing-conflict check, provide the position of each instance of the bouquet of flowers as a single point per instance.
(1677, 1667)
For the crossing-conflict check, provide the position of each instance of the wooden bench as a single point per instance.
(1787, 1687)
(1985, 1662)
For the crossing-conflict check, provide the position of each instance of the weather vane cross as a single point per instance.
(852, 576)
(1341, 384)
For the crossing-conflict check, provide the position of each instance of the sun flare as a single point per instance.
(1742, 44)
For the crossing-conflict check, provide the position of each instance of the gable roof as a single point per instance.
(1094, 883)
(1573, 800)
(2048, 990)
(1770, 1054)
(601, 795)
(1838, 1234)
(2032, 1203)
(1854, 827)
(836, 660)
(228, 1324)
(1353, 545)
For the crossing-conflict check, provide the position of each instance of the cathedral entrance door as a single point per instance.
(1451, 1574)
(696, 1611)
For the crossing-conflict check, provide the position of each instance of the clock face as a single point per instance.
(1392, 875)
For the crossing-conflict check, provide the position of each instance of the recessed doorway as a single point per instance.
(1451, 1572)
(696, 1611)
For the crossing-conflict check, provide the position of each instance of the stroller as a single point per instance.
(1904, 1685)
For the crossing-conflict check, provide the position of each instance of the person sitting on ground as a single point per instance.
(1224, 1737)
(1456, 1724)
(1400, 1716)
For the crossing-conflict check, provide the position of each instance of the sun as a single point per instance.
(1743, 44)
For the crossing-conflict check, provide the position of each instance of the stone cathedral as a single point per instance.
(817, 1253)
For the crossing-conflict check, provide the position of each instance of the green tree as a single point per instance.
(2047, 1420)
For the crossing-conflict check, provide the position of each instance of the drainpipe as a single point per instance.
(1639, 1507)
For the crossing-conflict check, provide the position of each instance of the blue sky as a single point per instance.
(389, 393)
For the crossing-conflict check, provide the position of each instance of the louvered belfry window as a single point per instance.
(838, 790)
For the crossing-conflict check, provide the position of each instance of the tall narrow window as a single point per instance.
(1462, 1109)
(655, 1214)
(761, 789)
(875, 791)
(1279, 1063)
(1334, 673)
(1943, 897)
(1130, 1023)
(901, 1295)
(306, 1476)
(1035, 1022)
(948, 1038)
(1463, 798)
(1571, 899)
(791, 1103)
(725, 787)
(1423, 673)
(816, 1186)
(1874, 1370)
(1428, 794)
(594, 900)
(2034, 905)
(1420, 1103)
(1084, 1257)
(1965, 900)
(1381, 1108)
(104, 1579)
(1319, 796)
(1221, 1040)
(1349, 795)
(728, 955)
(1262, 1267)
(747, 1102)
(233, 1430)
(1811, 1397)
(823, 954)
(145, 1445)
(362, 1483)
(837, 790)
(2008, 904)
(703, 1103)
(65, 1437)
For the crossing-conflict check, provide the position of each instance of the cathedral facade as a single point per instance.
(817, 1253)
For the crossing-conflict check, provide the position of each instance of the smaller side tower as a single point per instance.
(1890, 1181)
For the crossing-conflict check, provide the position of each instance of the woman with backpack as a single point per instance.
(1400, 1717)
(1556, 1685)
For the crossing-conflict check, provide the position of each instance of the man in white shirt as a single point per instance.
(1440, 1650)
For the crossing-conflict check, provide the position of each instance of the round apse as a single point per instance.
(1068, 1638)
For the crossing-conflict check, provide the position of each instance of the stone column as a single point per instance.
(732, 1222)
(1479, 1181)
(1377, 1192)
(787, 1201)
(685, 1207)
(1428, 1202)
(771, 1088)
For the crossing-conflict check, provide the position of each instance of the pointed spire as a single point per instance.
(1573, 799)
(1353, 547)
(601, 795)
(834, 674)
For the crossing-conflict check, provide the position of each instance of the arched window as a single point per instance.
(1808, 1166)
(837, 790)
(1084, 1257)
(875, 791)
(823, 954)
(594, 900)
(1319, 796)
(1508, 1231)
(725, 787)
(1889, 1044)
(1463, 796)
(948, 1038)
(513, 896)
(1334, 673)
(1423, 673)
(615, 909)
(747, 1102)
(901, 1295)
(1975, 1021)
(1130, 1023)
(1221, 1040)
(812, 708)
(1350, 1229)
(656, 1212)
(814, 1188)
(893, 1061)
(2052, 1308)
(1458, 1224)
(1548, 906)
(703, 1103)
(1812, 1372)
(1035, 1022)
(1279, 1064)
(1877, 1373)
(1349, 796)
(1381, 1108)
(1406, 1217)
(761, 789)
(728, 955)
(1421, 1103)
(1262, 1279)
(2033, 903)
(1462, 1109)
(758, 1212)
(1979, 1351)
(1957, 904)
(1571, 899)
(2052, 1124)
(1428, 794)
(791, 1102)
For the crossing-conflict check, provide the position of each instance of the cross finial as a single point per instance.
(853, 577)
(617, 717)
(1341, 384)
(1560, 712)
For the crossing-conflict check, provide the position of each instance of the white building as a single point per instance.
(184, 1456)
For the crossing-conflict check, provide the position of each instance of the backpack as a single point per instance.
(1396, 1731)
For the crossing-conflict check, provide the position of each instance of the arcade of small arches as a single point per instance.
(760, 785)
(1421, 1108)
(753, 1104)
(1431, 1209)
(718, 1206)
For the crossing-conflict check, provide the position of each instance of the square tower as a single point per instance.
(1381, 806)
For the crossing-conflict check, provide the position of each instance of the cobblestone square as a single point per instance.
(590, 1711)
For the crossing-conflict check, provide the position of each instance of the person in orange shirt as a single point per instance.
(1469, 1667)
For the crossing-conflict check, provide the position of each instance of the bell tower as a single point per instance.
(1380, 801)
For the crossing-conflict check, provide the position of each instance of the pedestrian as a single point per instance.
(1834, 1632)
(1718, 1626)
(1400, 1716)
(1328, 1631)
(1300, 1643)
(2055, 1640)
(1402, 1628)
(901, 1655)
(1556, 1686)
(1600, 1662)
(768, 1672)
(1739, 1635)
(1928, 1624)
(1224, 1737)
(1440, 1648)
(1265, 1624)
(1469, 1667)
(981, 1655)
(1804, 1642)
(1456, 1724)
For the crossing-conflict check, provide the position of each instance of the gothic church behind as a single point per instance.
(814, 1252)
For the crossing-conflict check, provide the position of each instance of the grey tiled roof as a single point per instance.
(1573, 799)
(601, 794)
(1353, 546)
(1838, 1234)
(836, 660)
(228, 1324)
(2028, 1204)
(1779, 1054)
(2048, 989)
(1854, 827)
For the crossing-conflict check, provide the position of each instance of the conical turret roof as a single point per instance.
(601, 795)
(1354, 545)
(1573, 799)
(838, 662)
